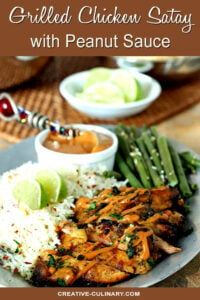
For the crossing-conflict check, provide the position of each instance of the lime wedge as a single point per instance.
(129, 86)
(53, 184)
(30, 192)
(102, 92)
(98, 74)
(139, 94)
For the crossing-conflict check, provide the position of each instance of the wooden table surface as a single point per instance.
(185, 128)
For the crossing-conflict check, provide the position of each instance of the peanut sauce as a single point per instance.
(86, 142)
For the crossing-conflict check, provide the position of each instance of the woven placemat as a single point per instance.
(41, 94)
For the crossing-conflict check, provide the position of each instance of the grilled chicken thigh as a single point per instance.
(120, 233)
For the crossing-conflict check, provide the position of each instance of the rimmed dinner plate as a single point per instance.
(24, 152)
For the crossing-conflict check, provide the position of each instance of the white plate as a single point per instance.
(24, 151)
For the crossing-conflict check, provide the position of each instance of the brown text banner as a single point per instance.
(96, 293)
(100, 27)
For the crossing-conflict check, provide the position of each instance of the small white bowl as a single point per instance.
(52, 158)
(73, 84)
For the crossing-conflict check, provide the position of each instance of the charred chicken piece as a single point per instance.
(124, 206)
(120, 233)
(102, 273)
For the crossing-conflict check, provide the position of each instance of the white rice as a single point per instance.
(24, 233)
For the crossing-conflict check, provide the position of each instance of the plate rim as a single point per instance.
(130, 282)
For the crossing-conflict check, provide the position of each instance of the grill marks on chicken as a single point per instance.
(118, 234)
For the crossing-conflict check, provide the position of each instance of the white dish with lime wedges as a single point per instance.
(106, 93)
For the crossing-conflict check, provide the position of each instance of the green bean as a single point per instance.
(140, 166)
(157, 180)
(167, 161)
(124, 169)
(189, 169)
(134, 130)
(125, 150)
(191, 159)
(152, 151)
(143, 129)
(109, 173)
(193, 186)
(154, 131)
(121, 127)
(183, 183)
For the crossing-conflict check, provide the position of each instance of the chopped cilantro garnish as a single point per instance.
(17, 249)
(130, 251)
(92, 205)
(109, 194)
(128, 234)
(51, 262)
(16, 242)
(151, 262)
(61, 282)
(80, 257)
(59, 263)
(132, 236)
(68, 252)
(56, 263)
(61, 250)
(116, 216)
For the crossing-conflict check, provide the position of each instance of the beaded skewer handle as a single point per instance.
(9, 111)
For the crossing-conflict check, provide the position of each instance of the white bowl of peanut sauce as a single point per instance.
(94, 146)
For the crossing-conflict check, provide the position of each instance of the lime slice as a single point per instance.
(102, 92)
(139, 94)
(53, 184)
(128, 85)
(97, 75)
(30, 192)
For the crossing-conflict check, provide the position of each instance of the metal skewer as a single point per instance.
(9, 111)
